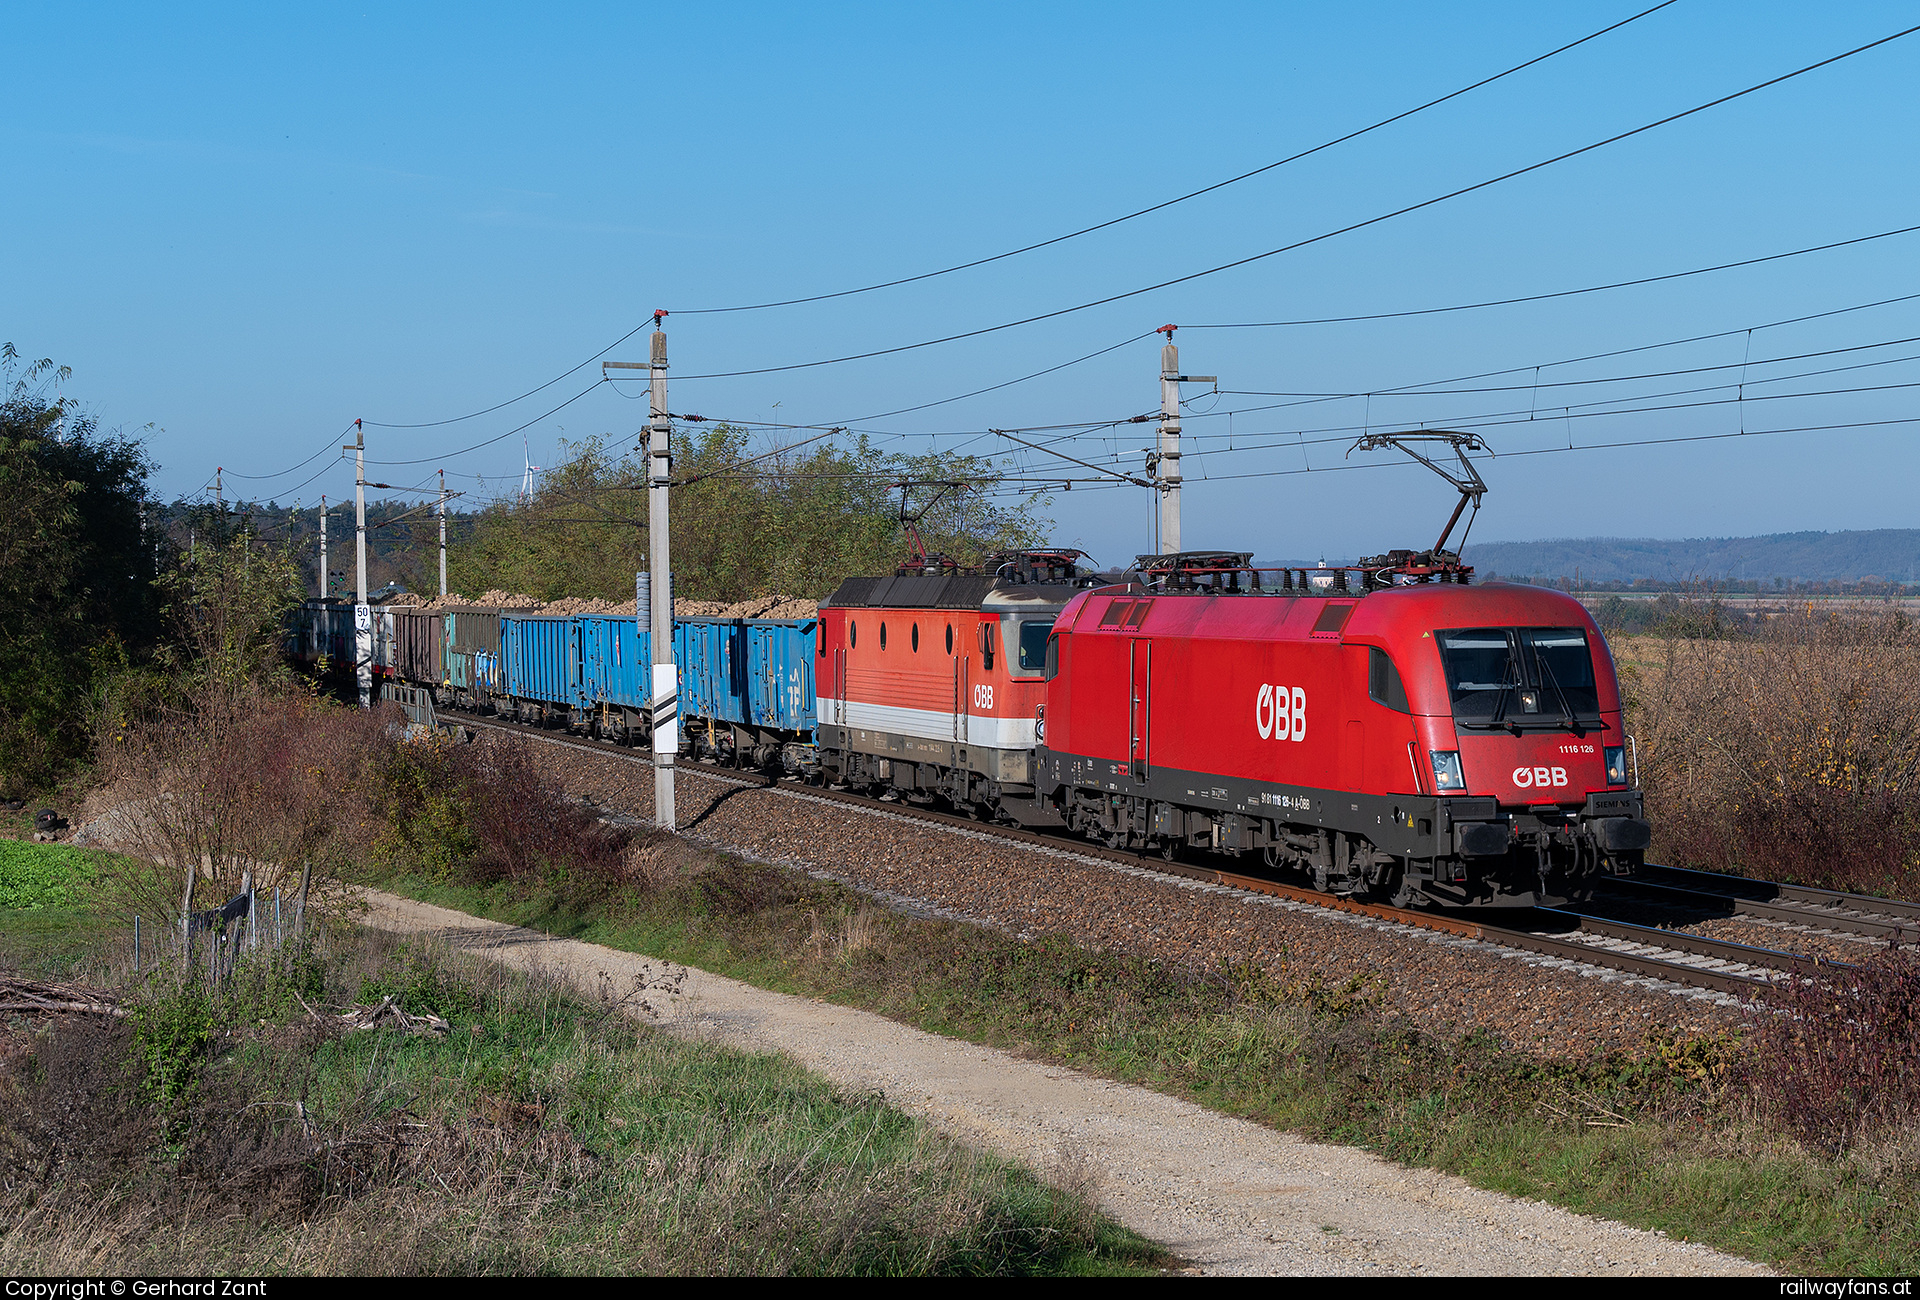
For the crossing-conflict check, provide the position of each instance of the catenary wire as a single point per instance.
(488, 442)
(1314, 239)
(1560, 293)
(1207, 189)
(1602, 356)
(261, 478)
(1045, 243)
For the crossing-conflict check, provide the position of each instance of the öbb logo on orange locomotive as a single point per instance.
(1281, 713)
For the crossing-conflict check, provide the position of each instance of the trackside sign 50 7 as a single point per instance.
(1281, 713)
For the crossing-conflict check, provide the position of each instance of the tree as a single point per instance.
(745, 522)
(77, 595)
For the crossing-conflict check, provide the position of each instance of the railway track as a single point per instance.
(1707, 894)
(1643, 951)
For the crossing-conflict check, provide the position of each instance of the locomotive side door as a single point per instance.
(960, 684)
(1139, 701)
(840, 686)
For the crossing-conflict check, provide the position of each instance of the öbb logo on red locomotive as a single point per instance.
(1539, 776)
(1281, 713)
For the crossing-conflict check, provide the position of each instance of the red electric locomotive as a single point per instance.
(930, 681)
(1435, 742)
(1410, 738)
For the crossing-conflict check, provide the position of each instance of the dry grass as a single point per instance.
(1791, 753)
(1837, 1061)
(545, 1134)
(267, 785)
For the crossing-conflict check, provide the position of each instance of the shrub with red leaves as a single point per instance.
(1837, 1058)
(485, 812)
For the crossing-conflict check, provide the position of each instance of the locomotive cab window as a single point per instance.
(1052, 669)
(916, 638)
(853, 633)
(949, 638)
(1383, 681)
(1520, 677)
(1029, 637)
(883, 636)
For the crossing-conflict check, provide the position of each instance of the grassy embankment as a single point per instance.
(1675, 1137)
(545, 1133)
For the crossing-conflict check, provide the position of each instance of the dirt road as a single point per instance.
(1226, 1194)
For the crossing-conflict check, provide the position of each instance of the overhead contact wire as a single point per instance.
(1325, 235)
(1208, 189)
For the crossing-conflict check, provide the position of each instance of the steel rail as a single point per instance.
(1819, 917)
(1769, 891)
(1699, 945)
(1672, 972)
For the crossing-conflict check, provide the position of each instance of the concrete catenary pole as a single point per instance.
(666, 724)
(665, 702)
(362, 614)
(1169, 467)
(443, 532)
(1169, 449)
(326, 588)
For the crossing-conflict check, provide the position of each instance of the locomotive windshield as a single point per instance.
(1518, 677)
(1030, 647)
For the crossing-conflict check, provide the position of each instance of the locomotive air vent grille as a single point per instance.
(1333, 617)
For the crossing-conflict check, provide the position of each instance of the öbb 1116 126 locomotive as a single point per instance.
(1406, 737)
(1392, 731)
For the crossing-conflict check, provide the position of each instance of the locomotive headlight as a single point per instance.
(1446, 769)
(1616, 765)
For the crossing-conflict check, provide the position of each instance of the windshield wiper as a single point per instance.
(1566, 709)
(1507, 683)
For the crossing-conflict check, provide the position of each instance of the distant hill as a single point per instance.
(1890, 554)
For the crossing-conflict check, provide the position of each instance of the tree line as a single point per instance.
(115, 608)
(745, 523)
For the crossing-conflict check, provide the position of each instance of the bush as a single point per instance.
(1790, 753)
(484, 812)
(172, 1032)
(1837, 1059)
(269, 785)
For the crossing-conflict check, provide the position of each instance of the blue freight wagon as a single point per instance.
(616, 675)
(541, 659)
(747, 690)
(745, 695)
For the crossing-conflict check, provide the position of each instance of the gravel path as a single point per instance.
(1439, 982)
(1226, 1194)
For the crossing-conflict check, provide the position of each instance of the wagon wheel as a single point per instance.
(1169, 850)
(1404, 893)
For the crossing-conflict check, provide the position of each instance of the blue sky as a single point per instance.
(249, 225)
